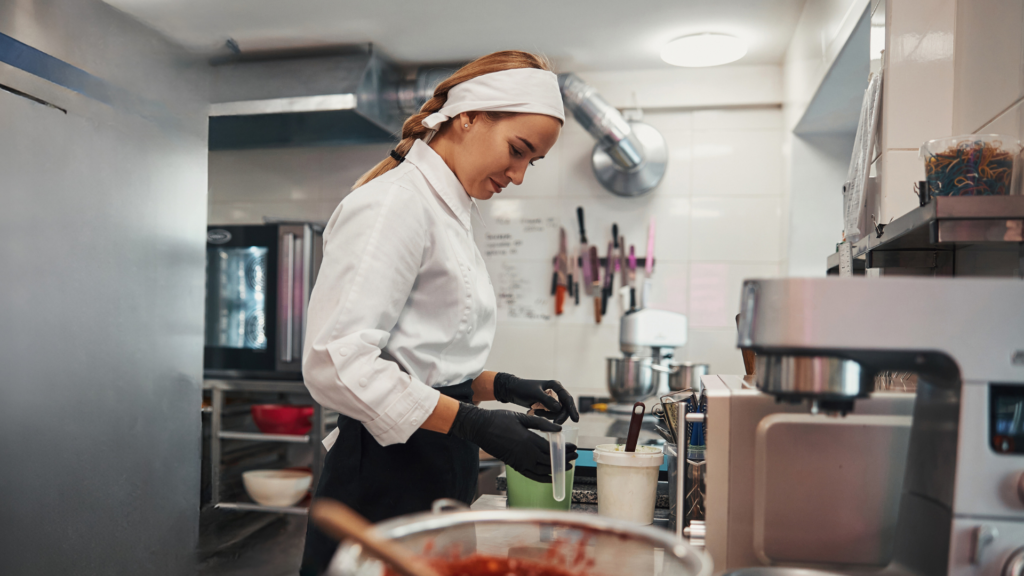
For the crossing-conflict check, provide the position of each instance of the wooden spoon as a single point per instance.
(340, 521)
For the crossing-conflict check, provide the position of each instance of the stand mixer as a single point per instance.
(638, 376)
(821, 342)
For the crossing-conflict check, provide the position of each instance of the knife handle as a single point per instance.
(576, 290)
(559, 300)
(636, 421)
(597, 308)
(554, 282)
(583, 231)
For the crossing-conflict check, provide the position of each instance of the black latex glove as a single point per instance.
(526, 393)
(506, 436)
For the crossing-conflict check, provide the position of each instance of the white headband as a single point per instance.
(524, 90)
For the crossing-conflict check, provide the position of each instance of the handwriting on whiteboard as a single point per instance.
(519, 293)
(520, 237)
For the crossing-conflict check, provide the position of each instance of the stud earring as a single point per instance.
(466, 125)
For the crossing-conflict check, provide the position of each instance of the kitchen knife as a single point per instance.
(632, 264)
(645, 294)
(572, 275)
(588, 269)
(561, 272)
(615, 241)
(621, 264)
(595, 282)
(609, 279)
(632, 277)
(649, 264)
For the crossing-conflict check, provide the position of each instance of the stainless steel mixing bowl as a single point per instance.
(686, 376)
(631, 379)
(587, 543)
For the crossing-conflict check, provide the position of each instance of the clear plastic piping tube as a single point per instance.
(557, 443)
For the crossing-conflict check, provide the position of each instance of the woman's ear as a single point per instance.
(468, 118)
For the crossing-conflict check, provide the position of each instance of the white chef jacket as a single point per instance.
(403, 303)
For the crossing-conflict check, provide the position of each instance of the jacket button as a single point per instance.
(363, 382)
(415, 421)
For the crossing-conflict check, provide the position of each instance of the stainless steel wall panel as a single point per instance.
(102, 233)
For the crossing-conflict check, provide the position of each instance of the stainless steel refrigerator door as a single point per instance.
(102, 230)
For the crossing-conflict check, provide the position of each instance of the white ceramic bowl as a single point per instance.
(277, 487)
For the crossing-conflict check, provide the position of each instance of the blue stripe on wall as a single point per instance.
(59, 72)
(41, 64)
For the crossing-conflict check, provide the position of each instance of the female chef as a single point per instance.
(402, 316)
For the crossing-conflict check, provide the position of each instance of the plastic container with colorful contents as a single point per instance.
(972, 165)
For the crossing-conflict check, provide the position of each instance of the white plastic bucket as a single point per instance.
(627, 482)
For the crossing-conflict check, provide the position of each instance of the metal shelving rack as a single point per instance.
(927, 237)
(221, 388)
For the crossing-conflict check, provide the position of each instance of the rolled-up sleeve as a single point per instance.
(374, 247)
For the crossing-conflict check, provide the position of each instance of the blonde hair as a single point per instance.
(413, 128)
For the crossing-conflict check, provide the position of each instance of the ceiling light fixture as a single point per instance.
(700, 50)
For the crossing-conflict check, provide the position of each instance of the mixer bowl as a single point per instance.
(686, 376)
(631, 378)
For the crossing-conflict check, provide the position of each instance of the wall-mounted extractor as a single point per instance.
(356, 96)
(629, 158)
(360, 97)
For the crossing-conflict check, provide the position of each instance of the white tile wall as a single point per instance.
(918, 90)
(989, 64)
(718, 214)
(899, 169)
(736, 229)
(917, 93)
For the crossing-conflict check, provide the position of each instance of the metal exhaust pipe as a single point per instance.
(629, 158)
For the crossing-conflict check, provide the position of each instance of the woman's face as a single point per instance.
(489, 155)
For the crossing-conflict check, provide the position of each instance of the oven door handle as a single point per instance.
(289, 297)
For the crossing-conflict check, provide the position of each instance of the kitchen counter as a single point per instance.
(495, 502)
(584, 492)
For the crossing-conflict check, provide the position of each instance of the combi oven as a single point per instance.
(258, 282)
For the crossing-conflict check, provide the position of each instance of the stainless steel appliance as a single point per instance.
(648, 339)
(258, 282)
(786, 487)
(961, 508)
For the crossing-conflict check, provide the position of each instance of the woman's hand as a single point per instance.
(526, 393)
(507, 436)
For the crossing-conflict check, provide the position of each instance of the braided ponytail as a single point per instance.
(413, 128)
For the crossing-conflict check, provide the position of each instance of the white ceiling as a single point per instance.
(576, 35)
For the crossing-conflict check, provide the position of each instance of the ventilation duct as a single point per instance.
(359, 97)
(629, 158)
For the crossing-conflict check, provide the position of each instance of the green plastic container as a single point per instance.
(525, 493)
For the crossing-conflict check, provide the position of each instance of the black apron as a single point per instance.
(381, 482)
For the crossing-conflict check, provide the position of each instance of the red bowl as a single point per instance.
(282, 419)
